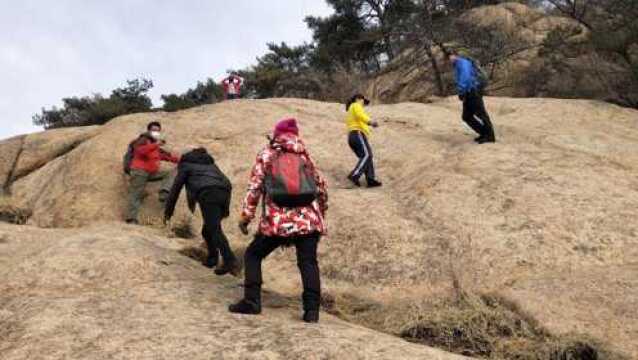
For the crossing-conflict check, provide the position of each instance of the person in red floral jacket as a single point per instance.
(280, 226)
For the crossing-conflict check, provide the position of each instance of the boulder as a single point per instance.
(555, 195)
(41, 148)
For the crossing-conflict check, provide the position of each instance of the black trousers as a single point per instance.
(306, 247)
(476, 116)
(213, 204)
(361, 147)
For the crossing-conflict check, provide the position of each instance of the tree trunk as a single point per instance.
(388, 47)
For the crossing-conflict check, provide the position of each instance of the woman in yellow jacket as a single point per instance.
(359, 124)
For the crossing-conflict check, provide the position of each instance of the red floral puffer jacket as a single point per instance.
(275, 220)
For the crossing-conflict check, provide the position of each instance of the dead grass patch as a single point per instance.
(195, 252)
(484, 326)
(181, 228)
(490, 326)
(348, 307)
(13, 214)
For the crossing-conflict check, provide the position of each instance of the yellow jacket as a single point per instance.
(357, 119)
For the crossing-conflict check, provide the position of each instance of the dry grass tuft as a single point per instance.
(195, 252)
(484, 326)
(474, 326)
(12, 214)
(348, 307)
(489, 326)
(183, 229)
(151, 221)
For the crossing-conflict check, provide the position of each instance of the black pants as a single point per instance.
(232, 96)
(475, 115)
(306, 246)
(361, 147)
(213, 204)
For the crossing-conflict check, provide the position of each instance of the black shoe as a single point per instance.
(211, 261)
(163, 195)
(354, 181)
(478, 139)
(245, 307)
(311, 316)
(486, 140)
(232, 267)
(374, 183)
(132, 221)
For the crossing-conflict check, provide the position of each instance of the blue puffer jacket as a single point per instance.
(465, 74)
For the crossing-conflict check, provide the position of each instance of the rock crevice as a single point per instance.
(6, 186)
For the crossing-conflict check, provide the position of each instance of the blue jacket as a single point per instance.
(465, 75)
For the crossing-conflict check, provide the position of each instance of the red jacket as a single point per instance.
(232, 85)
(147, 157)
(275, 220)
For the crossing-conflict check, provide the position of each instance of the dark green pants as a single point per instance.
(137, 184)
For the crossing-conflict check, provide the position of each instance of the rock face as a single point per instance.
(112, 292)
(537, 214)
(24, 154)
(10, 151)
(40, 149)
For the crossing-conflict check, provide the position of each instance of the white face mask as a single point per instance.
(156, 135)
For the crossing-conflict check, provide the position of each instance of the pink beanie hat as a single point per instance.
(286, 126)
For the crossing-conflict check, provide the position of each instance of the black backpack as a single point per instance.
(127, 159)
(482, 76)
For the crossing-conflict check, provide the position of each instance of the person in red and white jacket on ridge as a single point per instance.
(279, 226)
(232, 86)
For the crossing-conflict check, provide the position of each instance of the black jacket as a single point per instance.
(198, 171)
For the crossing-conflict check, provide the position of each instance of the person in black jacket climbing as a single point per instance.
(206, 185)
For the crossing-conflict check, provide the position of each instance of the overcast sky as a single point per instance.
(54, 49)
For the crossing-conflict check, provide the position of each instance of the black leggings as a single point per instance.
(306, 246)
(212, 204)
(361, 147)
(475, 115)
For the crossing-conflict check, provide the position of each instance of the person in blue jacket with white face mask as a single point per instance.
(471, 94)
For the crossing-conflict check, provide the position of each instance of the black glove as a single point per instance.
(462, 97)
(243, 227)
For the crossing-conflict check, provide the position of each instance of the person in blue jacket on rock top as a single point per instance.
(470, 92)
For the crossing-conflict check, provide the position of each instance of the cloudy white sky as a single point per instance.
(54, 49)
